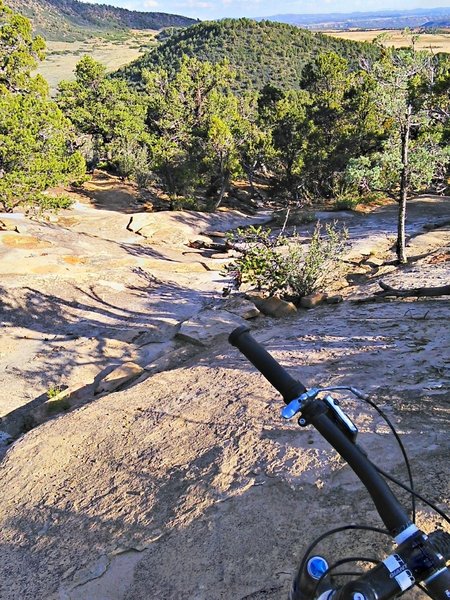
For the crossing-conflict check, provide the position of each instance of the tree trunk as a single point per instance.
(223, 189)
(404, 187)
(249, 172)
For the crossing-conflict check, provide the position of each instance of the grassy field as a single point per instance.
(436, 42)
(62, 57)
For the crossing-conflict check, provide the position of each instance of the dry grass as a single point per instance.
(62, 57)
(436, 42)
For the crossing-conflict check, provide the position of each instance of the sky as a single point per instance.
(216, 9)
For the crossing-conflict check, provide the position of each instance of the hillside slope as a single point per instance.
(261, 52)
(71, 19)
(387, 19)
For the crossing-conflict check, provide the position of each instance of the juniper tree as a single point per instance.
(35, 137)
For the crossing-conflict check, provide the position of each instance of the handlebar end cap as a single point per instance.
(236, 333)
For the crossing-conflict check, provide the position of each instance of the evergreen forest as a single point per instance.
(313, 118)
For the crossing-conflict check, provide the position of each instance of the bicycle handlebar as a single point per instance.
(390, 510)
(288, 387)
(436, 576)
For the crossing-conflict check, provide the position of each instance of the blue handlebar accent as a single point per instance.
(291, 409)
(295, 406)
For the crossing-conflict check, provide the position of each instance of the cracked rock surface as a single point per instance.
(188, 485)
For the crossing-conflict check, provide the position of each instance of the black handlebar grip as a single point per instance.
(288, 387)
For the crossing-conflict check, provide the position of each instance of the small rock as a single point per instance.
(313, 300)
(241, 307)
(118, 377)
(220, 255)
(336, 299)
(209, 324)
(5, 439)
(7, 225)
(217, 234)
(94, 571)
(373, 261)
(272, 306)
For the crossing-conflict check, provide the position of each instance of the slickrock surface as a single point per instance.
(187, 484)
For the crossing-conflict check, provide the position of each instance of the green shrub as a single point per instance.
(282, 265)
(131, 161)
(346, 202)
(53, 391)
(43, 202)
(185, 203)
(56, 406)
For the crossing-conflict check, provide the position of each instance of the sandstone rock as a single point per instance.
(167, 228)
(241, 307)
(150, 352)
(217, 234)
(208, 325)
(165, 362)
(272, 306)
(313, 300)
(61, 402)
(373, 261)
(170, 266)
(7, 225)
(93, 571)
(13, 222)
(27, 242)
(118, 377)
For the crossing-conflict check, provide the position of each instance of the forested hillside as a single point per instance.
(311, 117)
(71, 19)
(261, 52)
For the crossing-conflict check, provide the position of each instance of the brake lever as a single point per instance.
(345, 424)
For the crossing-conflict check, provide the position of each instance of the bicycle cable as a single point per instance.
(334, 531)
(406, 488)
(403, 451)
(344, 561)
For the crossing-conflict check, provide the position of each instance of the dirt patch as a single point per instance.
(439, 258)
(432, 42)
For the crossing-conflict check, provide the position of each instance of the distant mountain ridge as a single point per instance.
(260, 52)
(392, 19)
(71, 19)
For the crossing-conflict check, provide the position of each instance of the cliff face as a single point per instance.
(71, 19)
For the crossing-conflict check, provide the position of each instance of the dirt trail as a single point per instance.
(188, 485)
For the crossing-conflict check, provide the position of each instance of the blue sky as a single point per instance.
(215, 9)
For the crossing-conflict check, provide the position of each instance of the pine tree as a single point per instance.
(35, 137)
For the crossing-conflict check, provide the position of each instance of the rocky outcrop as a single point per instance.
(272, 306)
